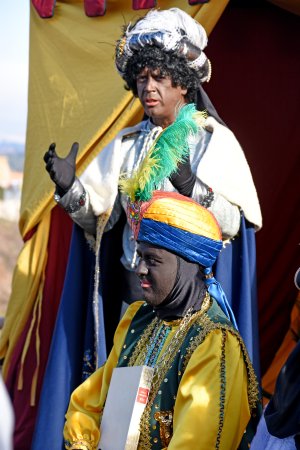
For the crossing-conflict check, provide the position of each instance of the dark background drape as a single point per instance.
(254, 50)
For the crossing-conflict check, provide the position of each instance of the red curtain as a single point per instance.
(255, 87)
(92, 8)
(58, 250)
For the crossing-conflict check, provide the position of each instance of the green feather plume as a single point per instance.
(161, 161)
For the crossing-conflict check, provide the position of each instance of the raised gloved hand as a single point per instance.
(184, 179)
(61, 170)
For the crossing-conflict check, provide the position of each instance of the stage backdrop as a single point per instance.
(254, 51)
(75, 94)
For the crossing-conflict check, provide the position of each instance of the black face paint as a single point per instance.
(157, 271)
(171, 284)
(188, 292)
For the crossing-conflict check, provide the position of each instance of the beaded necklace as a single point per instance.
(148, 349)
(157, 340)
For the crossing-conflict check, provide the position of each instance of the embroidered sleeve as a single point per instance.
(212, 405)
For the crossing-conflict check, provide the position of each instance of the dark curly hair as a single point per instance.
(168, 64)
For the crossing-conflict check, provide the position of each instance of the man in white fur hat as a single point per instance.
(162, 62)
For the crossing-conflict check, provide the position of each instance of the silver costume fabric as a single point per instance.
(134, 147)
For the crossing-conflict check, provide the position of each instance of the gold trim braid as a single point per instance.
(163, 366)
(208, 325)
(101, 223)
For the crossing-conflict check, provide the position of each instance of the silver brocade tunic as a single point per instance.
(135, 155)
(135, 146)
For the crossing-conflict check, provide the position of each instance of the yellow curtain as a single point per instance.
(26, 284)
(75, 94)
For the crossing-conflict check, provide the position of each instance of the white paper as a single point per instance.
(126, 400)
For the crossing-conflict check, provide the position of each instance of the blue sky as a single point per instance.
(14, 47)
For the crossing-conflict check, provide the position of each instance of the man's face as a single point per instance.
(157, 271)
(159, 98)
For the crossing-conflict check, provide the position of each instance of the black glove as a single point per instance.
(61, 170)
(184, 179)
